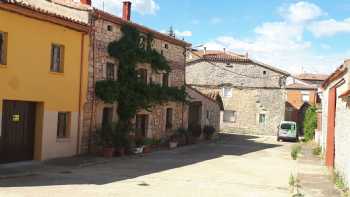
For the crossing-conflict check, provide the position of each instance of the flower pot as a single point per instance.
(120, 152)
(108, 152)
(147, 149)
(173, 145)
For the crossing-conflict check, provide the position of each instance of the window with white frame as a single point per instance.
(227, 91)
(230, 116)
(305, 96)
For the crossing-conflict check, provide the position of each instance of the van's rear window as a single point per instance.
(286, 126)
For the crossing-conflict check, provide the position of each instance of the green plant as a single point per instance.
(130, 91)
(104, 136)
(317, 151)
(291, 181)
(295, 151)
(208, 131)
(339, 181)
(147, 141)
(310, 123)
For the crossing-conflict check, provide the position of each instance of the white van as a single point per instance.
(287, 130)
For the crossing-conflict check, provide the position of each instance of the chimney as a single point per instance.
(205, 50)
(126, 10)
(86, 2)
(224, 50)
(246, 55)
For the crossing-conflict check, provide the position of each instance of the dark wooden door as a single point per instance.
(141, 126)
(195, 115)
(18, 126)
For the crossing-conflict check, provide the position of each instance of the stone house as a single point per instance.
(335, 135)
(253, 93)
(204, 109)
(160, 121)
(302, 92)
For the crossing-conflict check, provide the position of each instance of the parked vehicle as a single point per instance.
(287, 130)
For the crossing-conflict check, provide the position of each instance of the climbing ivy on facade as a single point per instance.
(129, 91)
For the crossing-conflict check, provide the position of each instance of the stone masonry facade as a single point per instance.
(106, 32)
(257, 93)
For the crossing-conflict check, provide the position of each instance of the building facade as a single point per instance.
(335, 135)
(253, 93)
(44, 49)
(161, 120)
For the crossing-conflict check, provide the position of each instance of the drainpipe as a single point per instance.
(80, 91)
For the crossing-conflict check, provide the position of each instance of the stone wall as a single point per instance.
(255, 90)
(106, 32)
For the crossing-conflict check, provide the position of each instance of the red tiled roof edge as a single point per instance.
(341, 70)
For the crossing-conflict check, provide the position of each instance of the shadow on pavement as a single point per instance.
(119, 169)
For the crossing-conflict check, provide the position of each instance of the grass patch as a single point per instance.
(340, 183)
(317, 151)
(295, 152)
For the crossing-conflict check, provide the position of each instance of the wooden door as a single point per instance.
(17, 136)
(194, 117)
(141, 126)
(330, 149)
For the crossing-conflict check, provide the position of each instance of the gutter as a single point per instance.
(80, 91)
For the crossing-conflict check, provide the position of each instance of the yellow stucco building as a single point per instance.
(44, 48)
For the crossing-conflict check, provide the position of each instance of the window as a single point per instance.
(63, 124)
(57, 54)
(141, 126)
(165, 80)
(107, 116)
(142, 75)
(166, 46)
(109, 28)
(305, 96)
(3, 48)
(169, 118)
(230, 116)
(227, 92)
(110, 71)
(264, 72)
(262, 119)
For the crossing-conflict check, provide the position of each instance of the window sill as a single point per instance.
(56, 74)
(3, 66)
(63, 140)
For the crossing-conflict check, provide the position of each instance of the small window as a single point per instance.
(208, 114)
(109, 28)
(63, 124)
(166, 46)
(107, 116)
(3, 48)
(57, 58)
(262, 119)
(264, 72)
(110, 71)
(169, 118)
(230, 116)
(227, 92)
(142, 75)
(305, 96)
(165, 80)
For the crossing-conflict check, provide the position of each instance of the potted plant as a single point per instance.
(147, 145)
(174, 141)
(104, 138)
(183, 136)
(208, 132)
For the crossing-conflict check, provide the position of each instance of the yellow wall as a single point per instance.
(27, 73)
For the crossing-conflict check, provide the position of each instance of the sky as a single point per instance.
(297, 36)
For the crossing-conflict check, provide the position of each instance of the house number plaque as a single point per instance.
(16, 118)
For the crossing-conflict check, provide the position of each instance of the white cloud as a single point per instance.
(330, 27)
(215, 20)
(142, 7)
(282, 43)
(183, 33)
(301, 12)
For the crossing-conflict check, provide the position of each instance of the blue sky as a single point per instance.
(310, 36)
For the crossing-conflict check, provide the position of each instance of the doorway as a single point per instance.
(17, 132)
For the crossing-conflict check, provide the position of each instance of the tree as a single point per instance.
(310, 123)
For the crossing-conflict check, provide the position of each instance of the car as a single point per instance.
(287, 130)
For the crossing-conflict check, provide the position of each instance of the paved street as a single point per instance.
(234, 165)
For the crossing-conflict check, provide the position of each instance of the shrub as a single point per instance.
(317, 151)
(310, 123)
(104, 136)
(295, 152)
(183, 135)
(208, 131)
